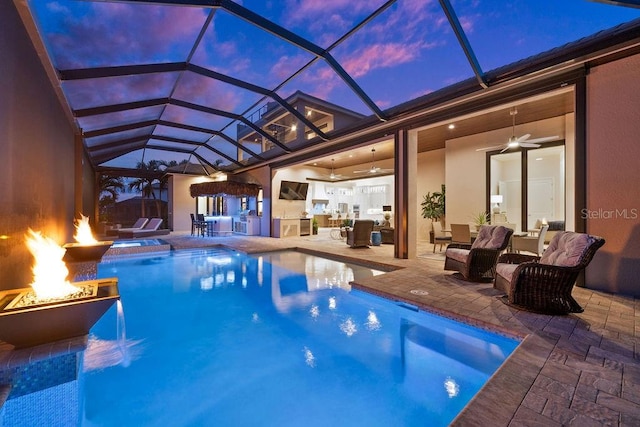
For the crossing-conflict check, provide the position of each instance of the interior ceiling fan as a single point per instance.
(519, 141)
(374, 169)
(334, 175)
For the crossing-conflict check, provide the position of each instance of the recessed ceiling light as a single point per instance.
(538, 158)
(452, 126)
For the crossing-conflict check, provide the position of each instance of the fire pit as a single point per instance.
(26, 320)
(81, 252)
(83, 256)
(53, 308)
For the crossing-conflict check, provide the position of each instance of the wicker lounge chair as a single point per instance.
(544, 284)
(360, 234)
(477, 262)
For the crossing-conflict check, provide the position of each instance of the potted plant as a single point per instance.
(480, 219)
(314, 226)
(433, 207)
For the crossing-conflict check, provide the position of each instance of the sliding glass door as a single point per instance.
(545, 185)
(531, 183)
(506, 181)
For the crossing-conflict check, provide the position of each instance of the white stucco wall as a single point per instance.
(430, 177)
(181, 204)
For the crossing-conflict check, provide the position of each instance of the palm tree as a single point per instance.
(163, 181)
(109, 188)
(145, 184)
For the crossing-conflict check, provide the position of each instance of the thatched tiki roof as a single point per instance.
(229, 188)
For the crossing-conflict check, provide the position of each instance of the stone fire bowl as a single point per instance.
(47, 322)
(77, 252)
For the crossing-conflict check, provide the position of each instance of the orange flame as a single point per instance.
(83, 234)
(49, 271)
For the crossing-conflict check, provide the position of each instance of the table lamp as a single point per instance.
(496, 199)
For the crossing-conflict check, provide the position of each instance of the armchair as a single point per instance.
(477, 262)
(360, 234)
(544, 284)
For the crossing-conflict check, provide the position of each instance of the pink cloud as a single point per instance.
(383, 103)
(320, 81)
(468, 23)
(208, 92)
(286, 65)
(300, 10)
(328, 19)
(116, 34)
(379, 56)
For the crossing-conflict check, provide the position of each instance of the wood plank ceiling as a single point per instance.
(434, 138)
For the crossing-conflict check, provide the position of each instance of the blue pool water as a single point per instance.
(215, 338)
(137, 242)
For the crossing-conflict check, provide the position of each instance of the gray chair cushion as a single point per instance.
(460, 255)
(490, 237)
(566, 249)
(506, 270)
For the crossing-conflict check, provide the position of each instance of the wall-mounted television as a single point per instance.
(290, 190)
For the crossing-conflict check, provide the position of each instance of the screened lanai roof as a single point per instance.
(171, 80)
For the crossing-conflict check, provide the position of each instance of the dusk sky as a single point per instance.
(407, 51)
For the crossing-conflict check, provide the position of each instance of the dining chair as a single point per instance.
(198, 225)
(533, 244)
(460, 233)
(439, 236)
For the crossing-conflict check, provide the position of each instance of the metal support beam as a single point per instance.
(257, 89)
(129, 70)
(117, 129)
(114, 108)
(464, 42)
(231, 116)
(300, 42)
(112, 155)
(119, 71)
(118, 143)
(626, 3)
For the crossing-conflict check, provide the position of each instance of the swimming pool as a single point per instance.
(216, 338)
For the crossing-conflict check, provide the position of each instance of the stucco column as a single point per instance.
(406, 202)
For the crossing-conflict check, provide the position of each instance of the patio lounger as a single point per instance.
(141, 222)
(150, 229)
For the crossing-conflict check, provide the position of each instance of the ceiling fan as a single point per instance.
(333, 175)
(374, 169)
(519, 141)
